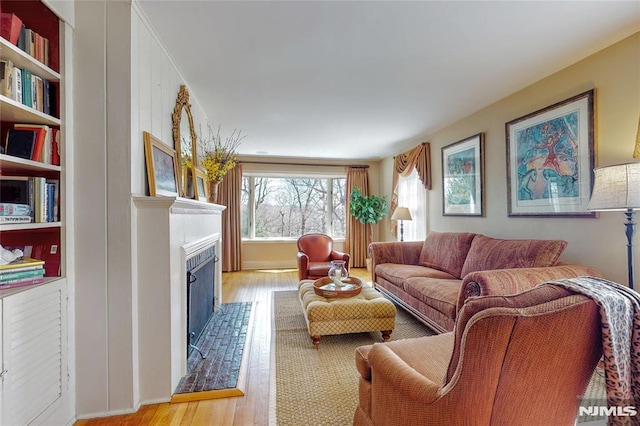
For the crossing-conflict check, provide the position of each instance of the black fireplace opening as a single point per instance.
(200, 295)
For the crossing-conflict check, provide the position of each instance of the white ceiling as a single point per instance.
(365, 80)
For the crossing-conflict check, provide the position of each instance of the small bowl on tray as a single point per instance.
(351, 286)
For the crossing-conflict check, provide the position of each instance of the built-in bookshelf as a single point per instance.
(37, 379)
(41, 236)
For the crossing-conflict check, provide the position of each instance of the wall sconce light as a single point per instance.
(401, 214)
(617, 188)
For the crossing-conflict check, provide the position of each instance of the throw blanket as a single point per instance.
(620, 315)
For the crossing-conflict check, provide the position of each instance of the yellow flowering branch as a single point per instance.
(218, 156)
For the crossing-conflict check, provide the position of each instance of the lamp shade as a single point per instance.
(616, 187)
(401, 213)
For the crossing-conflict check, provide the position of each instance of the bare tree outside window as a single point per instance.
(290, 207)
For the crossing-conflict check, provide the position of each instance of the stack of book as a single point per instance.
(15, 213)
(15, 32)
(21, 272)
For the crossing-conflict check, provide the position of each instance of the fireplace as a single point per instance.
(201, 297)
(172, 233)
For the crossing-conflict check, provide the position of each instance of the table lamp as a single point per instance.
(617, 188)
(401, 214)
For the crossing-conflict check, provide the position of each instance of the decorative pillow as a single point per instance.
(446, 251)
(489, 253)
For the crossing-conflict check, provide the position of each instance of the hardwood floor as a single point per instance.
(253, 408)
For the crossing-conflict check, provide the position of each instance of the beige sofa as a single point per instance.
(431, 279)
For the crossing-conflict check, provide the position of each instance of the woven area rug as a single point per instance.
(224, 343)
(320, 387)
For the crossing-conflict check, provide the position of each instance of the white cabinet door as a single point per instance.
(33, 340)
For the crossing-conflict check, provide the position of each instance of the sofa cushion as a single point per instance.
(446, 251)
(490, 253)
(440, 294)
(398, 273)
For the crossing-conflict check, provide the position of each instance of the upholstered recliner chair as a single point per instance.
(522, 359)
(315, 253)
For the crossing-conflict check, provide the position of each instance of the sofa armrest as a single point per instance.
(399, 252)
(516, 280)
(391, 370)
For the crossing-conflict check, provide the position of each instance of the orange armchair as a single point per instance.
(315, 253)
(519, 359)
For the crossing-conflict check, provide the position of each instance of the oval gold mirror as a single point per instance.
(184, 137)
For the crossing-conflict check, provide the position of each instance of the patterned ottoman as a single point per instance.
(368, 311)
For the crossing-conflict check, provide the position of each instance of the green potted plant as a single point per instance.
(368, 210)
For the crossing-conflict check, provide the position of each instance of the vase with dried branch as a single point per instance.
(218, 155)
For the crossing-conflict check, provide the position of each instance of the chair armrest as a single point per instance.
(517, 280)
(338, 255)
(389, 368)
(303, 266)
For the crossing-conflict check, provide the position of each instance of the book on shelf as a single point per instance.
(6, 77)
(40, 207)
(27, 88)
(14, 209)
(16, 85)
(43, 143)
(22, 283)
(10, 27)
(22, 263)
(55, 146)
(46, 97)
(15, 219)
(22, 39)
(21, 143)
(12, 276)
(51, 201)
(37, 268)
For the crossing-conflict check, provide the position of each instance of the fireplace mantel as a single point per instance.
(167, 229)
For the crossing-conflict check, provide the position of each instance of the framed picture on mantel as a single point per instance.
(162, 167)
(550, 160)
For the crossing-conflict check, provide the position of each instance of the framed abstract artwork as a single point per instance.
(462, 180)
(550, 160)
(162, 167)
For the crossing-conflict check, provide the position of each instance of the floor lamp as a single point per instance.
(401, 214)
(617, 188)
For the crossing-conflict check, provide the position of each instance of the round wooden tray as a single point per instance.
(354, 286)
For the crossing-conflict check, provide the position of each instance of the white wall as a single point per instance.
(125, 84)
(614, 74)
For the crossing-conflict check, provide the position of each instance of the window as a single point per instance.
(411, 194)
(287, 207)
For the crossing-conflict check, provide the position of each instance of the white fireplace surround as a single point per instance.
(170, 231)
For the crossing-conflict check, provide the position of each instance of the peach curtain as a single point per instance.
(418, 158)
(229, 192)
(356, 233)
